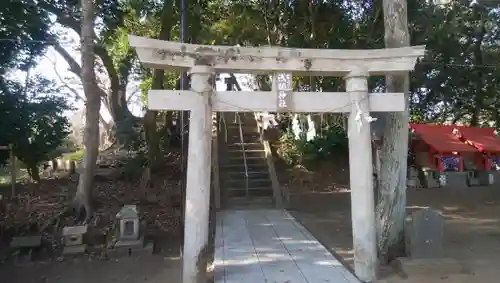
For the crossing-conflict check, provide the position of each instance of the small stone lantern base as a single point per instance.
(73, 239)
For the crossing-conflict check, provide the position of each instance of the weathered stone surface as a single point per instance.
(431, 178)
(486, 178)
(128, 218)
(73, 235)
(455, 180)
(423, 278)
(130, 248)
(130, 243)
(72, 250)
(432, 267)
(26, 242)
(424, 234)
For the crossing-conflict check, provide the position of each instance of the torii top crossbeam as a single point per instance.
(162, 54)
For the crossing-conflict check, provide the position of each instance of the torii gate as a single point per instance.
(203, 61)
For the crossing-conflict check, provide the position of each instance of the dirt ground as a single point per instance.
(159, 207)
(472, 236)
(151, 269)
(472, 226)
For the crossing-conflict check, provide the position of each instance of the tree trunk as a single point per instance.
(93, 104)
(34, 172)
(391, 206)
(152, 137)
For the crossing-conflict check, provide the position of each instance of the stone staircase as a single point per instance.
(244, 173)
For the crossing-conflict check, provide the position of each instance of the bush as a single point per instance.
(74, 156)
(333, 141)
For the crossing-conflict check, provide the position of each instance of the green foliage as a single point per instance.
(25, 30)
(457, 80)
(32, 120)
(68, 145)
(74, 156)
(131, 169)
(144, 87)
(332, 142)
(170, 81)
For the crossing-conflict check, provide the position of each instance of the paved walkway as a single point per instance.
(258, 246)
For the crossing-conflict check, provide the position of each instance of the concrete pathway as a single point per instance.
(269, 245)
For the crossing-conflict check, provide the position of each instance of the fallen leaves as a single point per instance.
(37, 206)
(325, 177)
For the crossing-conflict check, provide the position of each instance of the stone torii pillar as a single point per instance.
(196, 218)
(360, 160)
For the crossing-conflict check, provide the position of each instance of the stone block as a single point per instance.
(454, 179)
(424, 234)
(26, 247)
(486, 178)
(431, 267)
(130, 243)
(73, 235)
(496, 177)
(130, 248)
(73, 250)
(432, 179)
(26, 242)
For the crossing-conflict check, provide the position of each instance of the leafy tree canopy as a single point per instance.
(32, 120)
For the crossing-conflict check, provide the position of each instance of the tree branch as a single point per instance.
(72, 23)
(132, 95)
(107, 61)
(74, 67)
(79, 96)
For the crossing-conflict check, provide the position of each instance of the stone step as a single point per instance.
(254, 192)
(248, 152)
(238, 175)
(231, 120)
(248, 157)
(241, 160)
(241, 183)
(248, 203)
(240, 167)
(247, 145)
(235, 137)
(231, 127)
(246, 139)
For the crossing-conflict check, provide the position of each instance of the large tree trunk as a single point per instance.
(152, 135)
(93, 104)
(391, 206)
(34, 172)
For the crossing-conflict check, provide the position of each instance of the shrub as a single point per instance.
(331, 142)
(74, 156)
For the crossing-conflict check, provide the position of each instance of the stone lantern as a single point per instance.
(73, 239)
(129, 238)
(128, 221)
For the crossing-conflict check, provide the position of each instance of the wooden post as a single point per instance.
(361, 177)
(13, 177)
(196, 221)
